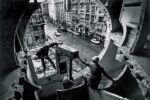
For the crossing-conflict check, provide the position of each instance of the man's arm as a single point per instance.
(104, 72)
(53, 44)
(84, 62)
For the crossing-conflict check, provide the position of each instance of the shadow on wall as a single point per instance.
(115, 13)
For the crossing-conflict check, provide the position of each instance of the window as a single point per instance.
(73, 0)
(92, 18)
(82, 18)
(93, 9)
(87, 17)
(35, 28)
(100, 19)
(82, 6)
(87, 9)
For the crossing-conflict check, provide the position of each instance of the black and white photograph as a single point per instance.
(74, 49)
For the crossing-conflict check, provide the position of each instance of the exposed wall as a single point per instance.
(144, 31)
(10, 17)
(10, 12)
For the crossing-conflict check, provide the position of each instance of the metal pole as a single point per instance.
(70, 70)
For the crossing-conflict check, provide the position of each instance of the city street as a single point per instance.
(86, 48)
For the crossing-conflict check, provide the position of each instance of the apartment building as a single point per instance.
(83, 13)
(84, 17)
(35, 34)
(59, 6)
(89, 18)
(44, 7)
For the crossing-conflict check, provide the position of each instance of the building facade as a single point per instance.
(81, 15)
(44, 7)
(59, 6)
(35, 34)
(88, 18)
(63, 13)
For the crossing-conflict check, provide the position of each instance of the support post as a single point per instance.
(70, 70)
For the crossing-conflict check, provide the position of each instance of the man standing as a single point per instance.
(96, 71)
(43, 54)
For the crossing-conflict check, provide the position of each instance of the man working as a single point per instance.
(96, 71)
(43, 53)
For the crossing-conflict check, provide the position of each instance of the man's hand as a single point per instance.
(115, 83)
(40, 87)
(59, 43)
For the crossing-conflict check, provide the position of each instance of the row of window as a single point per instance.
(36, 20)
(91, 9)
(58, 1)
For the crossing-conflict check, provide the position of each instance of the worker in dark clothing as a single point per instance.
(43, 53)
(96, 71)
(67, 83)
(28, 88)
